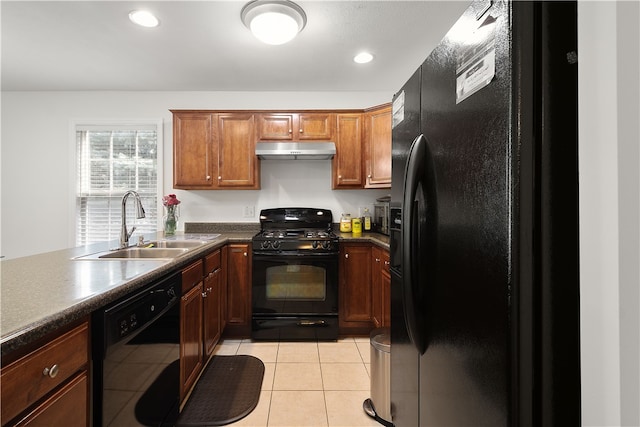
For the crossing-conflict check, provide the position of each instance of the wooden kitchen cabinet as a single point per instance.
(211, 301)
(49, 385)
(295, 126)
(381, 287)
(191, 335)
(377, 147)
(355, 289)
(237, 164)
(194, 135)
(214, 151)
(347, 163)
(238, 289)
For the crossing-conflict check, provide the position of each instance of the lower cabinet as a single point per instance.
(365, 288)
(200, 316)
(381, 287)
(355, 289)
(191, 315)
(211, 301)
(238, 290)
(49, 385)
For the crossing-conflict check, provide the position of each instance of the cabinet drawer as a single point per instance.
(28, 379)
(191, 276)
(212, 262)
(66, 407)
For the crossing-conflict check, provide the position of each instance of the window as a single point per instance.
(112, 159)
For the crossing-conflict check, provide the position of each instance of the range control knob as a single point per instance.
(314, 244)
(326, 244)
(265, 244)
(276, 244)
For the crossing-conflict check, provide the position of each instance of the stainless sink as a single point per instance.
(134, 253)
(145, 253)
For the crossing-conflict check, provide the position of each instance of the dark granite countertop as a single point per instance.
(43, 292)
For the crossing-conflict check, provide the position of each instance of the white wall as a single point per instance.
(608, 50)
(38, 171)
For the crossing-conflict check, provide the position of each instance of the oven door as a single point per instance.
(295, 284)
(295, 296)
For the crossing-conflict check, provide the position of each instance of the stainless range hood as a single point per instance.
(295, 150)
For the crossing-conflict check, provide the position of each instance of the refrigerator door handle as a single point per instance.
(415, 217)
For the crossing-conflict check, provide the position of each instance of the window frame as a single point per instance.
(73, 181)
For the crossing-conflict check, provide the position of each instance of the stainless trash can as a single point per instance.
(380, 340)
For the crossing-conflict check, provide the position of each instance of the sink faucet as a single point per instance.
(124, 233)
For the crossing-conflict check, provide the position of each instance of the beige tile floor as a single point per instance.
(319, 384)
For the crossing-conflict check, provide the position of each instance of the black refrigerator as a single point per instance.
(484, 224)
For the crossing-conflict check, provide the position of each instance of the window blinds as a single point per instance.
(110, 161)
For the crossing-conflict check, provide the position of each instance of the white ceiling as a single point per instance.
(203, 46)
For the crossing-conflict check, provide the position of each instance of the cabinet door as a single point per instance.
(347, 163)
(355, 288)
(237, 164)
(386, 297)
(239, 288)
(378, 148)
(376, 287)
(193, 134)
(191, 357)
(211, 305)
(275, 127)
(315, 126)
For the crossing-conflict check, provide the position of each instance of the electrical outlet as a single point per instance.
(249, 211)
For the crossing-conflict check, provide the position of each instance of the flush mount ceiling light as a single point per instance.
(143, 18)
(273, 21)
(363, 58)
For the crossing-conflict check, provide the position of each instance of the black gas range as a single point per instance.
(295, 275)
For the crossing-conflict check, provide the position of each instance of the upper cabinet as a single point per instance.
(193, 140)
(295, 126)
(347, 163)
(214, 151)
(237, 164)
(377, 147)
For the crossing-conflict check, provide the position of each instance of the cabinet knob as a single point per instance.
(301, 131)
(219, 178)
(50, 372)
(346, 255)
(387, 263)
(290, 130)
(340, 176)
(244, 253)
(377, 259)
(208, 290)
(208, 177)
(204, 295)
(369, 176)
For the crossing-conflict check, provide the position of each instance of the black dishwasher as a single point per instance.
(136, 357)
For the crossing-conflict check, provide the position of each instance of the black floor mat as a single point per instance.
(227, 391)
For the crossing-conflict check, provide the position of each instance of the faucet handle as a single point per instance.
(131, 232)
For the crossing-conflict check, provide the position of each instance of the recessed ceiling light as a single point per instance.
(363, 57)
(273, 21)
(143, 18)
